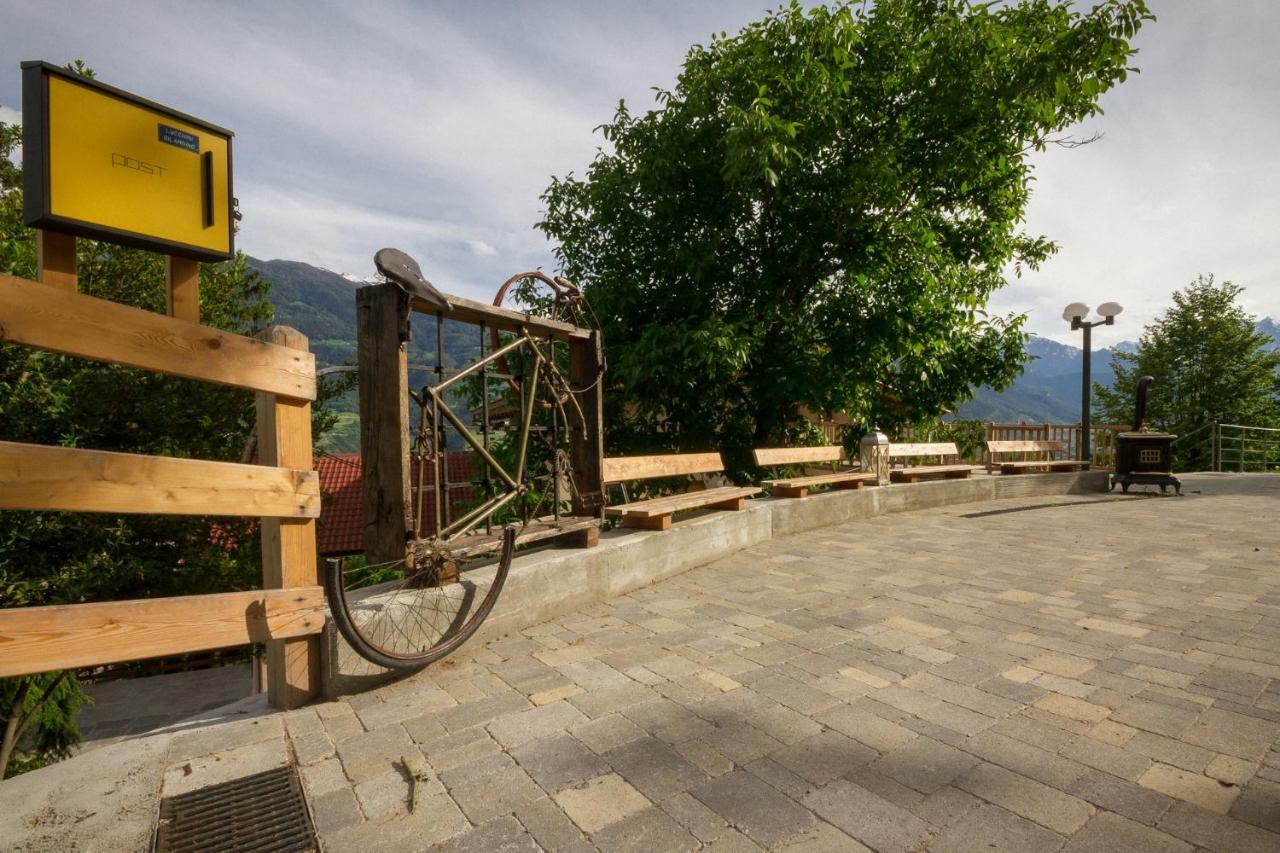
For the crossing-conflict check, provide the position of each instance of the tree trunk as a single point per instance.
(11, 728)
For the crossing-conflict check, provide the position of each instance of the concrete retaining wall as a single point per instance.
(543, 585)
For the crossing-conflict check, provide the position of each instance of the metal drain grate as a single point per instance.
(260, 813)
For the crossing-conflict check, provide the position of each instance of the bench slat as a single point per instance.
(675, 503)
(821, 479)
(797, 455)
(910, 475)
(621, 469)
(1042, 463)
(934, 449)
(1025, 446)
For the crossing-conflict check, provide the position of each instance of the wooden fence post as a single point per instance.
(382, 335)
(585, 360)
(288, 545)
(182, 288)
(56, 259)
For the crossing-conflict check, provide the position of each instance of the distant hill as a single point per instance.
(321, 304)
(1049, 389)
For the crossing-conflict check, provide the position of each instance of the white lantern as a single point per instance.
(873, 454)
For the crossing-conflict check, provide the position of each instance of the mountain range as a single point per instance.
(321, 304)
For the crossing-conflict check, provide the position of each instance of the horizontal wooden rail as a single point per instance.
(69, 636)
(38, 477)
(495, 317)
(58, 320)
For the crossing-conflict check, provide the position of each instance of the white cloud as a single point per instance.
(8, 115)
(428, 125)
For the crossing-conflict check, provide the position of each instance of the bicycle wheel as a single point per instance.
(405, 618)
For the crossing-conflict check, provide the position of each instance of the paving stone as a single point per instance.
(1072, 708)
(701, 822)
(823, 838)
(335, 810)
(1234, 734)
(760, 811)
(1110, 759)
(1126, 798)
(824, 757)
(511, 730)
(1156, 717)
(874, 731)
(1111, 833)
(654, 768)
(484, 796)
(872, 820)
(1170, 751)
(1046, 806)
(606, 733)
(945, 807)
(1259, 804)
(643, 832)
(992, 829)
(600, 802)
(501, 835)
(558, 761)
(1217, 832)
(925, 764)
(1206, 793)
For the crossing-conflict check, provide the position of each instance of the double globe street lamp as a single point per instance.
(1075, 314)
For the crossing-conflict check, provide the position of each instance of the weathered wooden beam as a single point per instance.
(587, 439)
(57, 320)
(39, 477)
(382, 333)
(71, 636)
(56, 260)
(182, 288)
(469, 311)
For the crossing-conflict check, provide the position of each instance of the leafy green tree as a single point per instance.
(59, 558)
(818, 211)
(1209, 363)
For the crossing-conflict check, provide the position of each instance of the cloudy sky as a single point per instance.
(435, 126)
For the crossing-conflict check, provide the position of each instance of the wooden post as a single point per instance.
(585, 360)
(382, 333)
(288, 545)
(56, 259)
(182, 283)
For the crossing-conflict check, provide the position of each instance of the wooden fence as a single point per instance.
(1102, 438)
(283, 491)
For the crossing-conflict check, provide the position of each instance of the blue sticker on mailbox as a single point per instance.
(179, 138)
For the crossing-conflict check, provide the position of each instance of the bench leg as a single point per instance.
(586, 538)
(657, 522)
(906, 478)
(789, 492)
(731, 504)
(849, 484)
(958, 475)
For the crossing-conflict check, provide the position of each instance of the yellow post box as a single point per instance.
(99, 162)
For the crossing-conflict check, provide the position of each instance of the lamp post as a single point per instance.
(1075, 314)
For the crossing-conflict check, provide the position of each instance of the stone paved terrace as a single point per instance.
(1072, 673)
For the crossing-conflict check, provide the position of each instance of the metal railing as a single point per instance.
(1242, 448)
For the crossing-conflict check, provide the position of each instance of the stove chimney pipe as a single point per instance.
(1140, 407)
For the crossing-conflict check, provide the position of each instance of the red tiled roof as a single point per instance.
(341, 529)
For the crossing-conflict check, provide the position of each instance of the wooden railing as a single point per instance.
(1102, 438)
(283, 490)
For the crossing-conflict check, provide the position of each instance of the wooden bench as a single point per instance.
(1043, 451)
(798, 487)
(938, 450)
(655, 514)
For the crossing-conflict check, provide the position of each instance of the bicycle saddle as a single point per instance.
(407, 275)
